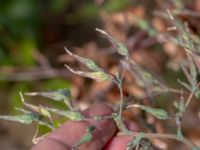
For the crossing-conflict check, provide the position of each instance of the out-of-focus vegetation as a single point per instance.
(33, 34)
(28, 31)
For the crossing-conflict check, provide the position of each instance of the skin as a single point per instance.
(104, 135)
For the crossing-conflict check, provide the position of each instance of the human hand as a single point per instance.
(104, 135)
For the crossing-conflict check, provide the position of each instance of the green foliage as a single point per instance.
(87, 62)
(135, 142)
(21, 12)
(86, 138)
(121, 48)
(157, 112)
(14, 94)
(72, 115)
(25, 118)
(58, 5)
(58, 95)
(99, 76)
(120, 124)
(145, 25)
(116, 5)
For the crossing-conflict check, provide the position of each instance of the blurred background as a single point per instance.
(33, 34)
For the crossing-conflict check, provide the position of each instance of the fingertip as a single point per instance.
(118, 143)
(70, 132)
(49, 143)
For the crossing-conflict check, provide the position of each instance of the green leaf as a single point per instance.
(88, 62)
(157, 112)
(25, 118)
(86, 138)
(117, 5)
(37, 109)
(135, 142)
(58, 95)
(121, 48)
(72, 115)
(143, 24)
(98, 76)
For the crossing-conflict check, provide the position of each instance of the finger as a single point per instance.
(104, 129)
(98, 109)
(50, 144)
(132, 126)
(64, 137)
(118, 143)
(71, 132)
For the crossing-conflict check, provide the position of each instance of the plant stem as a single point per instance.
(121, 101)
(191, 95)
(121, 98)
(161, 135)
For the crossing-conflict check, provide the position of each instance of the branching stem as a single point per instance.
(161, 135)
(191, 95)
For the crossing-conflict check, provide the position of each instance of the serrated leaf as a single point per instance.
(88, 62)
(157, 112)
(98, 76)
(121, 48)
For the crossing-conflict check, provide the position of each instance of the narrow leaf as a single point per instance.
(72, 115)
(157, 112)
(58, 95)
(99, 76)
(86, 138)
(37, 109)
(25, 118)
(88, 62)
(121, 48)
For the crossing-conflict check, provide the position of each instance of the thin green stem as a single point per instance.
(68, 103)
(121, 97)
(121, 101)
(191, 95)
